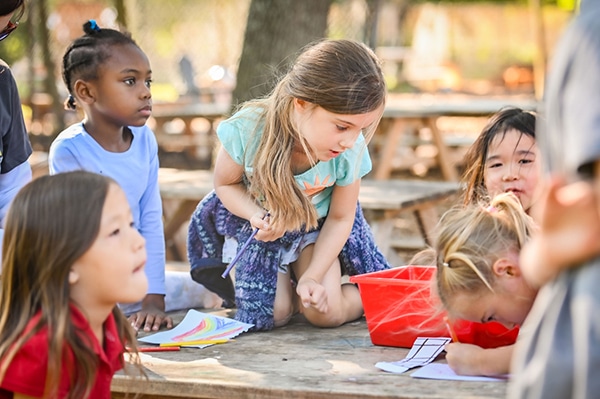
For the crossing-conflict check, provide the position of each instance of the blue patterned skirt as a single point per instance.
(256, 270)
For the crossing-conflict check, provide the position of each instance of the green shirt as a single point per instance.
(236, 136)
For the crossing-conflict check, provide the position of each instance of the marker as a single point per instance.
(451, 330)
(194, 343)
(239, 254)
(157, 349)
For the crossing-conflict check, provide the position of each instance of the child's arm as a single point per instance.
(569, 227)
(329, 244)
(152, 314)
(467, 359)
(233, 194)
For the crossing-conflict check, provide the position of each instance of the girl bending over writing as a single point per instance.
(479, 277)
(70, 253)
(108, 76)
(290, 166)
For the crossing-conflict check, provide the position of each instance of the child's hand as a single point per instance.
(464, 359)
(312, 294)
(152, 315)
(467, 359)
(266, 231)
(569, 227)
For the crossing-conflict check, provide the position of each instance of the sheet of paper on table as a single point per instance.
(198, 326)
(441, 371)
(423, 351)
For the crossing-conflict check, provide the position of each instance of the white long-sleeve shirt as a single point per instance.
(136, 171)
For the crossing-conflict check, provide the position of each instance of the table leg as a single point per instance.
(390, 146)
(443, 156)
(381, 225)
(172, 225)
(427, 219)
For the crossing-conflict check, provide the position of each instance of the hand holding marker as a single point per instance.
(239, 254)
(451, 330)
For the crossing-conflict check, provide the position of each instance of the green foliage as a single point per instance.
(14, 47)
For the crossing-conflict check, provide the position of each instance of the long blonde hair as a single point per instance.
(341, 76)
(52, 222)
(469, 241)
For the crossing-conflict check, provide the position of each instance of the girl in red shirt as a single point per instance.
(70, 253)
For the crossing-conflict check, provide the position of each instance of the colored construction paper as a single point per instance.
(198, 326)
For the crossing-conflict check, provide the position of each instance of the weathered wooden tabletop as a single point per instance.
(295, 361)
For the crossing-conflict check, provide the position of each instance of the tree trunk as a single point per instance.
(30, 10)
(121, 14)
(276, 30)
(50, 80)
(539, 60)
(371, 23)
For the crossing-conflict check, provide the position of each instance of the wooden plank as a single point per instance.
(195, 109)
(292, 362)
(184, 184)
(403, 195)
(468, 106)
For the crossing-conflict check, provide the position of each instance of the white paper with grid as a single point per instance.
(423, 351)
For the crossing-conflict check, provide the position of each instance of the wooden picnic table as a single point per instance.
(165, 112)
(180, 190)
(423, 112)
(382, 201)
(188, 140)
(297, 361)
(400, 115)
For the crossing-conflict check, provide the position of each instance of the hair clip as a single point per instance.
(445, 264)
(94, 26)
(491, 209)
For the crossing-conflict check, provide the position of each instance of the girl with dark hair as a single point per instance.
(504, 158)
(108, 76)
(71, 252)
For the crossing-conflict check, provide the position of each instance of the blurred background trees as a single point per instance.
(234, 47)
(275, 30)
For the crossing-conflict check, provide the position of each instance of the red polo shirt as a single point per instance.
(27, 372)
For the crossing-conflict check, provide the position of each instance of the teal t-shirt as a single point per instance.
(237, 137)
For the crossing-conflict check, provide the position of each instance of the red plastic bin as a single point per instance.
(399, 307)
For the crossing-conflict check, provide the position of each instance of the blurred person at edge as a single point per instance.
(15, 147)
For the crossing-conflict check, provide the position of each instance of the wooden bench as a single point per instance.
(186, 114)
(408, 114)
(180, 190)
(382, 201)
